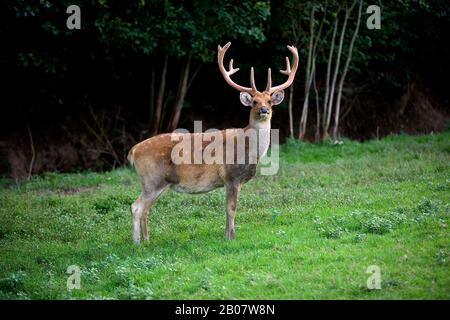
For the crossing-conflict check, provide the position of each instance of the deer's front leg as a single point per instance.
(232, 191)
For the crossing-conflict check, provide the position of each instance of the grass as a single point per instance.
(309, 232)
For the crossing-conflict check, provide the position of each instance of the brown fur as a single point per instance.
(153, 163)
(152, 158)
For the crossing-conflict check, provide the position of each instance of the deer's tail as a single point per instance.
(130, 156)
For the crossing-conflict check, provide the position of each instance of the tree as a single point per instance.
(314, 40)
(344, 72)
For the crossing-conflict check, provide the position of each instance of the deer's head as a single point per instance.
(260, 102)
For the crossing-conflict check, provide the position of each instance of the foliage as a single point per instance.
(117, 30)
(121, 28)
(114, 33)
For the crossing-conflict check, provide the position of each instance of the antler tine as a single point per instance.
(231, 70)
(252, 79)
(288, 67)
(269, 80)
(226, 74)
(289, 72)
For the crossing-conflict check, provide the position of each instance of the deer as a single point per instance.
(152, 158)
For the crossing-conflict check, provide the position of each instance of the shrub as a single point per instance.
(13, 282)
(378, 225)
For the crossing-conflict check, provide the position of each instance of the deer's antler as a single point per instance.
(226, 74)
(289, 72)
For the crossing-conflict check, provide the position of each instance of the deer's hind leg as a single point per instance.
(139, 209)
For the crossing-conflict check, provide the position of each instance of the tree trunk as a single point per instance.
(291, 118)
(316, 93)
(33, 152)
(160, 100)
(173, 123)
(327, 84)
(404, 100)
(344, 72)
(304, 116)
(311, 67)
(335, 74)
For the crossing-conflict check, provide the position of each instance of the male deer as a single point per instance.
(153, 161)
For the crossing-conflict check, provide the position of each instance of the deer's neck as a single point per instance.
(262, 130)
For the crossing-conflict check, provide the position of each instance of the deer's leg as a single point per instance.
(232, 191)
(136, 212)
(143, 222)
(139, 211)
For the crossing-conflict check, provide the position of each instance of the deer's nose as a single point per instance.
(263, 110)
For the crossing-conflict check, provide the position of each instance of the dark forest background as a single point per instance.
(79, 99)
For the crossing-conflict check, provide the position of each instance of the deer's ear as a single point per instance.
(246, 99)
(277, 97)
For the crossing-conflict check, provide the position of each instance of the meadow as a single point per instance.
(309, 232)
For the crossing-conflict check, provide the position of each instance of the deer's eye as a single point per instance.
(268, 101)
(254, 103)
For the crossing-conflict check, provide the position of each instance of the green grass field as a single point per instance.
(308, 232)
